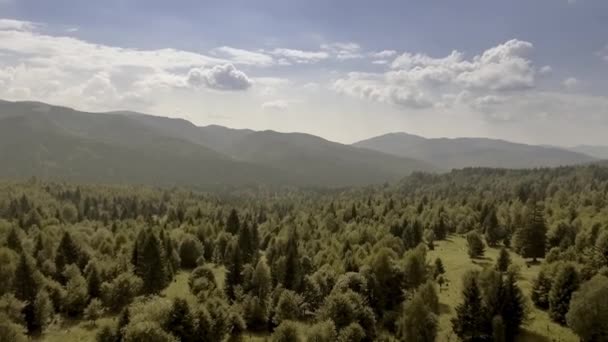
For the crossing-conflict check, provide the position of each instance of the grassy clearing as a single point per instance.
(72, 331)
(453, 253)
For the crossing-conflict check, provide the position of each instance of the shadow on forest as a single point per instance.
(530, 336)
(444, 309)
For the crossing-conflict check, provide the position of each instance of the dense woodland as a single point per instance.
(307, 265)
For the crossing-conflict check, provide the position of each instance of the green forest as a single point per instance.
(476, 254)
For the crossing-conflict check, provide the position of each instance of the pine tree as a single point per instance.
(565, 283)
(233, 272)
(531, 239)
(491, 228)
(439, 269)
(25, 288)
(154, 272)
(245, 243)
(180, 322)
(13, 241)
(93, 281)
(293, 270)
(67, 253)
(440, 228)
(470, 321)
(503, 261)
(513, 309)
(232, 223)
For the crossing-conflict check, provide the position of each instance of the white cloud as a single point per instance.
(67, 52)
(18, 25)
(545, 70)
(420, 81)
(245, 57)
(380, 62)
(384, 54)
(570, 83)
(343, 51)
(299, 56)
(74, 72)
(219, 77)
(275, 105)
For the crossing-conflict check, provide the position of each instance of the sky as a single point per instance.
(521, 70)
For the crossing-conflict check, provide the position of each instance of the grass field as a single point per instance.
(454, 255)
(455, 259)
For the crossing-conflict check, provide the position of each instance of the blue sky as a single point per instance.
(530, 71)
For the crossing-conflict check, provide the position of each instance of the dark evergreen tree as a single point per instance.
(13, 241)
(180, 322)
(531, 238)
(67, 253)
(232, 223)
(234, 268)
(293, 269)
(503, 261)
(491, 228)
(513, 308)
(93, 281)
(470, 323)
(25, 288)
(439, 269)
(154, 268)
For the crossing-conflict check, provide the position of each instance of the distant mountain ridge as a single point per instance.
(38, 139)
(456, 153)
(600, 152)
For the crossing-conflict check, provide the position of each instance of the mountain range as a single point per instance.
(458, 153)
(60, 143)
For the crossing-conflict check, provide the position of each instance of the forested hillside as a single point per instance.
(474, 255)
(63, 144)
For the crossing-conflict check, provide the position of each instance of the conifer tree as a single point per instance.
(180, 322)
(93, 281)
(154, 272)
(67, 253)
(293, 270)
(25, 288)
(13, 241)
(233, 271)
(513, 308)
(491, 228)
(232, 223)
(503, 261)
(470, 321)
(439, 269)
(531, 238)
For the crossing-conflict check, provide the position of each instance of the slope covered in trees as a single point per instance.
(359, 264)
(59, 143)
